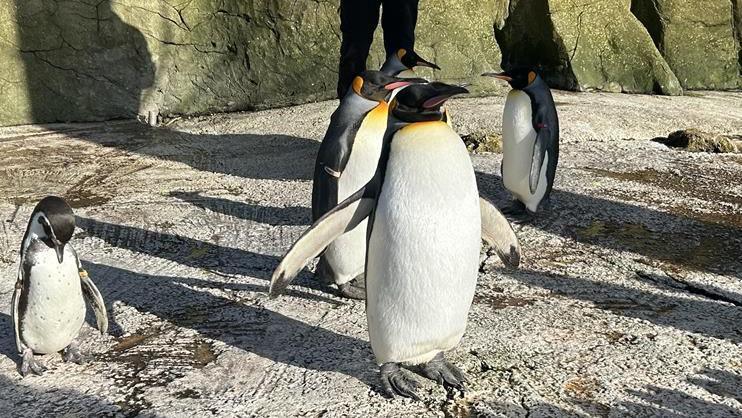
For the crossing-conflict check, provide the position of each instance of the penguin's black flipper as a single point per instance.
(95, 300)
(539, 152)
(333, 156)
(341, 219)
(498, 233)
(15, 309)
(93, 296)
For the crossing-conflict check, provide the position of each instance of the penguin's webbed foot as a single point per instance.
(354, 289)
(446, 374)
(30, 364)
(72, 354)
(396, 382)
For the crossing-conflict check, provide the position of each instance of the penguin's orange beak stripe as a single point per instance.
(435, 101)
(396, 85)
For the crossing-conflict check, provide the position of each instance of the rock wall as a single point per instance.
(94, 60)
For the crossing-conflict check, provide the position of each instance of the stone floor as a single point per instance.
(628, 301)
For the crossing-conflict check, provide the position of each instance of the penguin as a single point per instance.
(426, 222)
(530, 140)
(402, 64)
(48, 304)
(346, 160)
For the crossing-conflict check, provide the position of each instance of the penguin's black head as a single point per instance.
(519, 77)
(422, 102)
(57, 222)
(377, 86)
(410, 59)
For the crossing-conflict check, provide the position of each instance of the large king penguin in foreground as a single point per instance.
(530, 140)
(346, 161)
(48, 304)
(426, 222)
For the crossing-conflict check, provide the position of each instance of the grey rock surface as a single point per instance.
(628, 301)
(90, 60)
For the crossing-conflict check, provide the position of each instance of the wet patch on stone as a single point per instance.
(151, 358)
(687, 249)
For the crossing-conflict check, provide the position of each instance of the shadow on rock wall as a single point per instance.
(82, 61)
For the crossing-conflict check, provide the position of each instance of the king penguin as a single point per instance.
(402, 64)
(48, 305)
(346, 160)
(530, 140)
(425, 229)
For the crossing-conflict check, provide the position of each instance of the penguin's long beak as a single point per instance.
(59, 248)
(424, 63)
(443, 93)
(501, 76)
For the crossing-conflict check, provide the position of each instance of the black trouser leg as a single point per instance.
(358, 21)
(398, 20)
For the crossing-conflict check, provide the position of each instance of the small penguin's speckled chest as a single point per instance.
(55, 308)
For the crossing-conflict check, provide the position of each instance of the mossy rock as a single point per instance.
(698, 40)
(694, 140)
(483, 142)
(585, 45)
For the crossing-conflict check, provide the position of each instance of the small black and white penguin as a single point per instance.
(402, 64)
(346, 161)
(48, 305)
(426, 222)
(530, 140)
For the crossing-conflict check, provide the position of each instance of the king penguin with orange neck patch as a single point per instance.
(530, 141)
(425, 226)
(346, 160)
(402, 64)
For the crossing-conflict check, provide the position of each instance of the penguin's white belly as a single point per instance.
(55, 310)
(518, 140)
(424, 246)
(347, 254)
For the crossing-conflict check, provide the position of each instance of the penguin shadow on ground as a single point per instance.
(675, 311)
(273, 157)
(664, 402)
(185, 302)
(275, 216)
(685, 242)
(191, 252)
(7, 338)
(20, 400)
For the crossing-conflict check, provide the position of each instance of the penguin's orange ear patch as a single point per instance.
(531, 77)
(357, 85)
(401, 53)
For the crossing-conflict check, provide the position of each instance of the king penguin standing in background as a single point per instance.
(530, 140)
(426, 222)
(346, 161)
